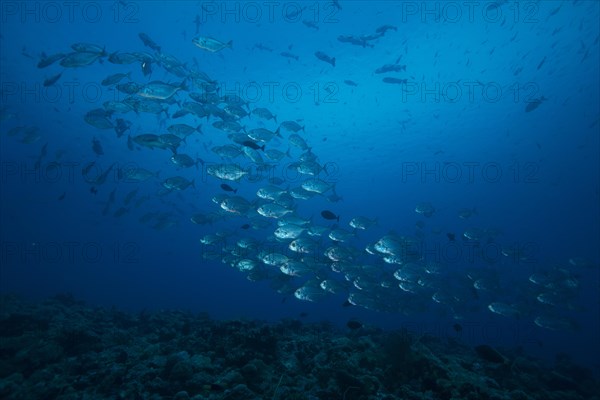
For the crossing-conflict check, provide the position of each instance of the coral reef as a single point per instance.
(63, 349)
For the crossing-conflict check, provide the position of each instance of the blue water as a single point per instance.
(532, 176)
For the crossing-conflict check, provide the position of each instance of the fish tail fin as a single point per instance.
(199, 128)
(333, 61)
(230, 44)
(277, 131)
(235, 191)
(302, 129)
(262, 147)
(275, 118)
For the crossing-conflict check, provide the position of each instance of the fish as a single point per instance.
(324, 57)
(230, 172)
(185, 161)
(541, 63)
(160, 90)
(534, 104)
(311, 24)
(178, 183)
(264, 113)
(136, 174)
(148, 42)
(79, 59)
(183, 130)
(121, 126)
(362, 42)
(273, 210)
(122, 58)
(392, 80)
(354, 325)
(228, 188)
(146, 67)
(130, 196)
(289, 55)
(362, 223)
(384, 28)
(262, 47)
(97, 147)
(330, 215)
(99, 118)
(115, 78)
(291, 126)
(46, 61)
(390, 68)
(210, 44)
(253, 145)
(317, 185)
(52, 80)
(89, 48)
(350, 83)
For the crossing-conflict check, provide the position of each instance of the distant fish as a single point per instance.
(79, 59)
(311, 24)
(289, 55)
(146, 68)
(228, 188)
(88, 48)
(262, 47)
(350, 83)
(197, 23)
(330, 215)
(354, 325)
(324, 57)
(114, 79)
(534, 104)
(62, 196)
(97, 147)
(541, 63)
(149, 42)
(52, 80)
(210, 44)
(396, 81)
(390, 68)
(46, 61)
(384, 28)
(158, 90)
(253, 145)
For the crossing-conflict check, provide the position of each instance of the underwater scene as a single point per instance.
(303, 200)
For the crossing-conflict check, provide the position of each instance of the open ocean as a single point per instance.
(299, 200)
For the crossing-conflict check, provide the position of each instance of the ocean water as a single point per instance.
(492, 120)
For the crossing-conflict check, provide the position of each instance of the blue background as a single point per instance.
(546, 197)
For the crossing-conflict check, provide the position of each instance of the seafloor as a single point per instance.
(62, 349)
